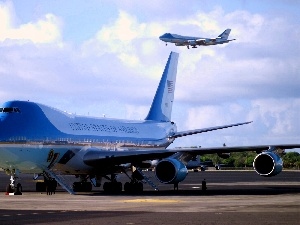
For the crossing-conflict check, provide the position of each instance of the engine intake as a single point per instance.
(170, 171)
(267, 164)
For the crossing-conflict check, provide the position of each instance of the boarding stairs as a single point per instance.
(147, 179)
(60, 179)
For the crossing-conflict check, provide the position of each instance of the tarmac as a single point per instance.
(232, 197)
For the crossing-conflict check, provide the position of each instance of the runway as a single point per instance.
(233, 197)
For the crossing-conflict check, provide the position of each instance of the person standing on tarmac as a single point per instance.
(204, 187)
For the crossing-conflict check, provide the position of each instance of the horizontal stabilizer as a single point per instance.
(197, 131)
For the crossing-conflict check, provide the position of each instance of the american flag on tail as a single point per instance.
(170, 85)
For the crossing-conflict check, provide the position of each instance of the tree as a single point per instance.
(291, 160)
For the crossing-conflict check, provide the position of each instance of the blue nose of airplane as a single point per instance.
(165, 36)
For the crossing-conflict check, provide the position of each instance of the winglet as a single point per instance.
(161, 108)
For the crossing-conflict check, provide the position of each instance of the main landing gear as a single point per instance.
(83, 185)
(113, 186)
(134, 186)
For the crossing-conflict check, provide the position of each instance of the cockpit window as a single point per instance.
(10, 110)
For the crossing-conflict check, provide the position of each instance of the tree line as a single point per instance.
(291, 160)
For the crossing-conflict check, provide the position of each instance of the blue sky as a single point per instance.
(104, 57)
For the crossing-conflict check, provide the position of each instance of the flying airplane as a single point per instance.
(50, 143)
(180, 40)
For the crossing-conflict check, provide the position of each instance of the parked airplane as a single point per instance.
(38, 139)
(180, 40)
(195, 164)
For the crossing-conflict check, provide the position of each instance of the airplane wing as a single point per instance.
(98, 158)
(222, 149)
(196, 131)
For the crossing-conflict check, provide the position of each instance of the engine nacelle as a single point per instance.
(192, 42)
(179, 44)
(170, 171)
(201, 41)
(268, 164)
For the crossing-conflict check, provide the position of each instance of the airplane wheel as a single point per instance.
(112, 187)
(87, 186)
(127, 187)
(82, 186)
(139, 187)
(136, 187)
(107, 187)
(77, 187)
(119, 187)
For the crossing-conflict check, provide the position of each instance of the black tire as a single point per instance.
(119, 187)
(87, 186)
(76, 186)
(107, 187)
(140, 187)
(127, 187)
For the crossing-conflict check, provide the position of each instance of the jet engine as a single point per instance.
(267, 164)
(201, 41)
(170, 171)
(192, 42)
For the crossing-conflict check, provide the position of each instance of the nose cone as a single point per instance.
(22, 120)
(8, 120)
(165, 37)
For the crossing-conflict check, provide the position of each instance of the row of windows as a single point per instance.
(10, 110)
(104, 143)
(103, 128)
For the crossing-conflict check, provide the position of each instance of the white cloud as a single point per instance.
(276, 115)
(130, 41)
(45, 30)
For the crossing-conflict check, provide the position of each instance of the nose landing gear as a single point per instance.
(11, 189)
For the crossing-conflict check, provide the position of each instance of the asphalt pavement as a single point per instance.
(232, 197)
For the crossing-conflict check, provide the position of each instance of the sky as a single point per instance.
(104, 57)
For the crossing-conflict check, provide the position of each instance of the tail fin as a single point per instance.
(161, 107)
(225, 34)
